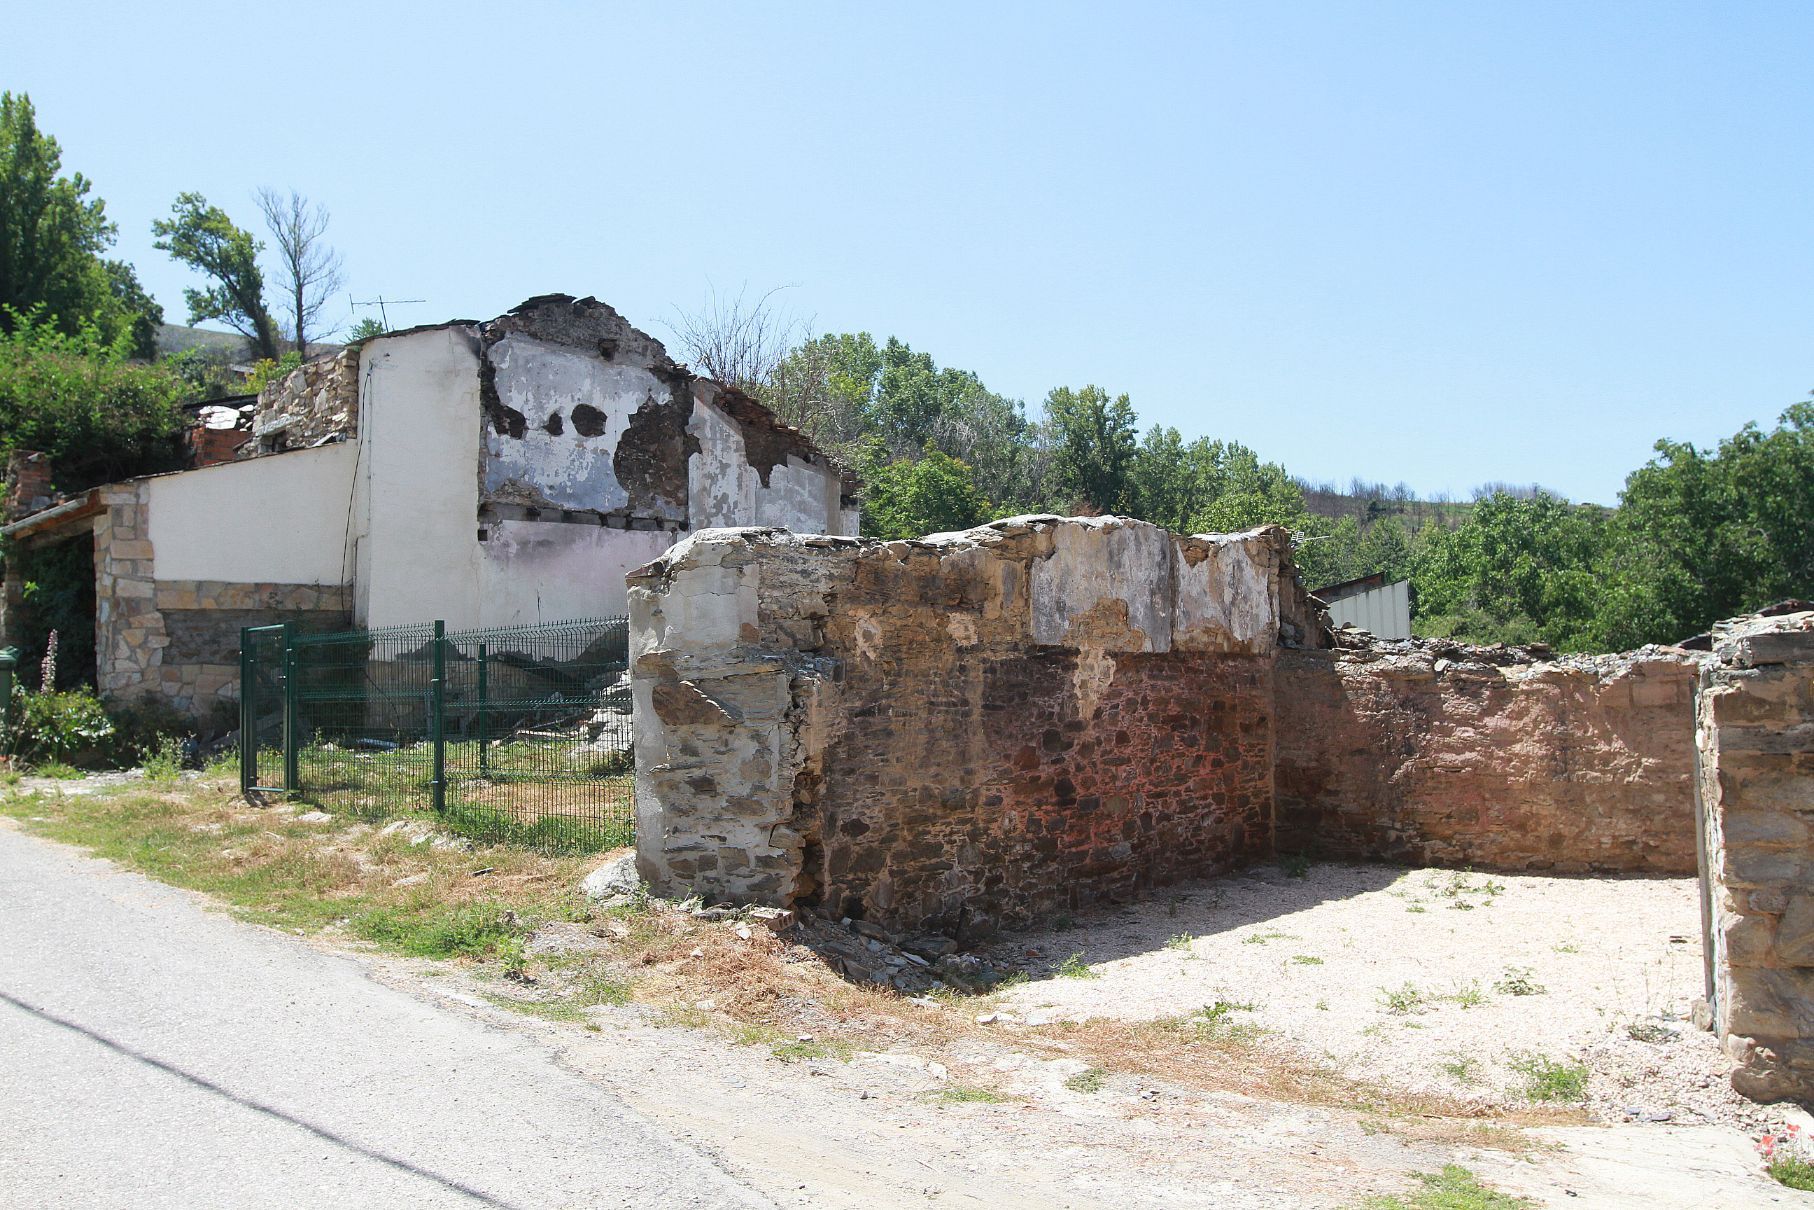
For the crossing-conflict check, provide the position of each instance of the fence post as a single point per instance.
(291, 721)
(437, 723)
(484, 757)
(248, 713)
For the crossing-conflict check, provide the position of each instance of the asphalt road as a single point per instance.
(155, 1053)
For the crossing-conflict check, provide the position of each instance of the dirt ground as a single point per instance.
(1464, 984)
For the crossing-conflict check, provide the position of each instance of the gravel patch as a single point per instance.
(1495, 988)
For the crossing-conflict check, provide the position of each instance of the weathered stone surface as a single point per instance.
(318, 401)
(1756, 741)
(957, 733)
(615, 877)
(1423, 752)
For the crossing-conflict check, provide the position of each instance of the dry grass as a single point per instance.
(483, 907)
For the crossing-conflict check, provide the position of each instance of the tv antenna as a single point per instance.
(380, 302)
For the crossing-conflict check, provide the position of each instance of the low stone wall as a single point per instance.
(1755, 726)
(957, 733)
(1437, 754)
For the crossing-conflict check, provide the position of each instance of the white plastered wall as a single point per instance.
(725, 490)
(281, 519)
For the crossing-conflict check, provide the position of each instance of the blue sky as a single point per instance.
(1438, 243)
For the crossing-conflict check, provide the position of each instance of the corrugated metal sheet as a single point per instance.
(1385, 611)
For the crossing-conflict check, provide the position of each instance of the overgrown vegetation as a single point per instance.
(1548, 1079)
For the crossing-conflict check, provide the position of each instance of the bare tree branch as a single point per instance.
(309, 272)
(736, 341)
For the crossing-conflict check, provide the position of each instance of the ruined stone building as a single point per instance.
(485, 473)
(972, 731)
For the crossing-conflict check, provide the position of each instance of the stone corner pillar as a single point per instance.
(1755, 745)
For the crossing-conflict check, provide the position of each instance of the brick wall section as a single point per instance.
(317, 399)
(1755, 726)
(178, 640)
(958, 733)
(1428, 753)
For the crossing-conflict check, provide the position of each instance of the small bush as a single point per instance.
(1788, 1158)
(69, 728)
(1294, 865)
(1518, 981)
(1403, 1001)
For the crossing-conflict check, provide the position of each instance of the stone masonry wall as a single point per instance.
(1434, 753)
(1755, 727)
(957, 733)
(317, 399)
(178, 640)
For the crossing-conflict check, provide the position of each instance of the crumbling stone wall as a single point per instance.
(1436, 753)
(315, 402)
(961, 732)
(1755, 733)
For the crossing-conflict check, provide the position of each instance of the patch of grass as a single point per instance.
(58, 770)
(1415, 906)
(1306, 960)
(464, 931)
(683, 1016)
(1518, 981)
(1090, 1079)
(962, 1094)
(1075, 967)
(1263, 938)
(603, 989)
(547, 1010)
(801, 1049)
(1467, 995)
(1549, 1080)
(1454, 1188)
(1180, 942)
(1403, 1001)
(1566, 947)
(1294, 865)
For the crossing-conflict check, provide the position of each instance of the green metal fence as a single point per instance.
(520, 734)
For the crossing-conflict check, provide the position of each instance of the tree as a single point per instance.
(1517, 570)
(204, 238)
(736, 341)
(309, 272)
(1702, 535)
(909, 499)
(52, 235)
(825, 386)
(364, 329)
(1093, 446)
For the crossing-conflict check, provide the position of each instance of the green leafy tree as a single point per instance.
(1516, 570)
(1703, 535)
(911, 498)
(1094, 446)
(52, 236)
(204, 238)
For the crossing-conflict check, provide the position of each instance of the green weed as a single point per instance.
(1090, 1079)
(1548, 1080)
(1075, 967)
(1454, 1188)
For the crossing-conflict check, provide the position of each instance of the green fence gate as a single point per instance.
(519, 734)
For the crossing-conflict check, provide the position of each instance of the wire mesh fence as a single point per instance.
(516, 735)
